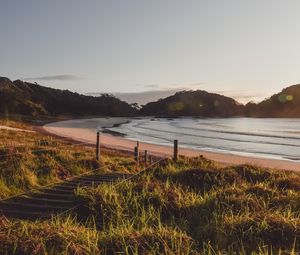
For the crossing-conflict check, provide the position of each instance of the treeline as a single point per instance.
(285, 104)
(30, 99)
(26, 98)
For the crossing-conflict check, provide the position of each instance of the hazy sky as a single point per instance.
(245, 49)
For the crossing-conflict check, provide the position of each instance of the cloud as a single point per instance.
(151, 86)
(149, 96)
(146, 96)
(141, 97)
(177, 87)
(62, 77)
(161, 91)
(243, 96)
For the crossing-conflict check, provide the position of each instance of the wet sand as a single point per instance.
(84, 130)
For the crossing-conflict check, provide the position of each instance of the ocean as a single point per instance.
(267, 138)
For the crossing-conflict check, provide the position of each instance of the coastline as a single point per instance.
(84, 130)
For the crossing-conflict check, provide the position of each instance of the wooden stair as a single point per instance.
(47, 202)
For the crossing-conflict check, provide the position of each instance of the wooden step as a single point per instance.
(55, 199)
(57, 191)
(17, 214)
(53, 196)
(31, 207)
(42, 201)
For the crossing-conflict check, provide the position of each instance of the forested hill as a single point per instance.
(25, 98)
(194, 103)
(30, 99)
(285, 104)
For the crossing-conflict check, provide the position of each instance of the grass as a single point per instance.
(32, 160)
(190, 207)
(241, 210)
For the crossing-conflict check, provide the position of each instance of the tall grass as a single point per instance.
(242, 209)
(193, 206)
(176, 209)
(31, 160)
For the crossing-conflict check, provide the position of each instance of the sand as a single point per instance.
(84, 130)
(15, 129)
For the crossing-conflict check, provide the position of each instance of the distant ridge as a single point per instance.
(194, 103)
(285, 104)
(30, 99)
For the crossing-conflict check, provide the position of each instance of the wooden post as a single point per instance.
(146, 157)
(137, 154)
(135, 151)
(98, 146)
(175, 156)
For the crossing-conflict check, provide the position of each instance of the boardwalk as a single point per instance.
(52, 200)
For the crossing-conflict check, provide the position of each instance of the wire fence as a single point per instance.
(116, 184)
(144, 160)
(54, 144)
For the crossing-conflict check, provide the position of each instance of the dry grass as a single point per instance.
(191, 207)
(243, 209)
(31, 160)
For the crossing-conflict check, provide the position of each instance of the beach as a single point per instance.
(15, 129)
(84, 130)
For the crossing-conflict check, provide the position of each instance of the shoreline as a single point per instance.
(85, 131)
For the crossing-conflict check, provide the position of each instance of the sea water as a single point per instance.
(268, 138)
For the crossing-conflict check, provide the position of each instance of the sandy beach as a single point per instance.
(15, 129)
(84, 130)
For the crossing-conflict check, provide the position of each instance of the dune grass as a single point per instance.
(32, 160)
(241, 210)
(190, 207)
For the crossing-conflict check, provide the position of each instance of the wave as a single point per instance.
(219, 148)
(236, 141)
(239, 133)
(213, 137)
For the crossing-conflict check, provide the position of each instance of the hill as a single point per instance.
(194, 103)
(25, 98)
(284, 104)
(18, 97)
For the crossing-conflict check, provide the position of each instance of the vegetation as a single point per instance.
(201, 103)
(31, 160)
(189, 207)
(241, 210)
(194, 103)
(30, 99)
(21, 99)
(284, 104)
(192, 206)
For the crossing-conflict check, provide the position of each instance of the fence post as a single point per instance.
(146, 157)
(137, 154)
(135, 151)
(175, 156)
(98, 146)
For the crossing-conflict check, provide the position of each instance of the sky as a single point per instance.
(144, 49)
